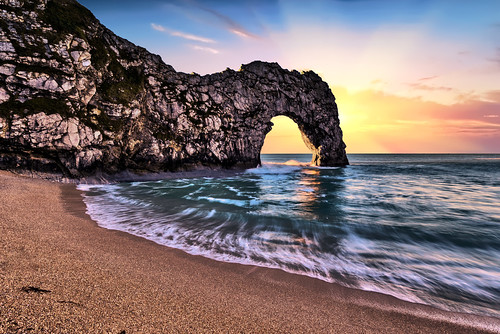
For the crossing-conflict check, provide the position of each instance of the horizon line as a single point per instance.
(463, 153)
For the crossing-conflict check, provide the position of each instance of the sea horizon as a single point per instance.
(387, 153)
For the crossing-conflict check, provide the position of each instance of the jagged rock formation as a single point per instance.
(76, 99)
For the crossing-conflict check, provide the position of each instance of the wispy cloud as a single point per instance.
(464, 97)
(181, 34)
(428, 78)
(230, 24)
(205, 49)
(411, 122)
(477, 128)
(158, 27)
(376, 82)
(493, 96)
(192, 37)
(496, 58)
(241, 33)
(421, 86)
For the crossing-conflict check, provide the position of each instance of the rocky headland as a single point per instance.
(76, 100)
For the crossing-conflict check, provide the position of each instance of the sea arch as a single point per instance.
(263, 91)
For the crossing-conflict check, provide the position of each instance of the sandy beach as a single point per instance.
(60, 272)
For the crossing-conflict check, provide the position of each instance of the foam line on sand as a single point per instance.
(60, 272)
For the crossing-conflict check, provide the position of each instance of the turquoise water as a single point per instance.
(423, 228)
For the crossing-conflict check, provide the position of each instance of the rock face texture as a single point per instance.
(75, 99)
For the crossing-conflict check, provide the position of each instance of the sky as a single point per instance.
(409, 76)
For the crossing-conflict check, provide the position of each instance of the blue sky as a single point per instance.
(235, 32)
(408, 53)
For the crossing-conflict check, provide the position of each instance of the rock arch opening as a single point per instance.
(285, 137)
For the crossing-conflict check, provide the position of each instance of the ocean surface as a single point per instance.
(423, 228)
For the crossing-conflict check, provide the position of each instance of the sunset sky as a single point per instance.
(409, 76)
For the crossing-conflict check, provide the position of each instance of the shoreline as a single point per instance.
(106, 280)
(128, 176)
(368, 298)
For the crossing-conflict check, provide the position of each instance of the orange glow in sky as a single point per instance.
(374, 122)
(284, 137)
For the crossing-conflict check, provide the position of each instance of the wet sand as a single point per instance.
(60, 272)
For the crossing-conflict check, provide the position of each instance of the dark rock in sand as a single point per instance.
(76, 100)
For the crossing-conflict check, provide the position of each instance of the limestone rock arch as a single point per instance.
(265, 90)
(107, 106)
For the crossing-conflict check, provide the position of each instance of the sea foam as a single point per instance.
(421, 228)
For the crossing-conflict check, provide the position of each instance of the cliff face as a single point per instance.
(75, 99)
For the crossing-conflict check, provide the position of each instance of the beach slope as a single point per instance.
(60, 272)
